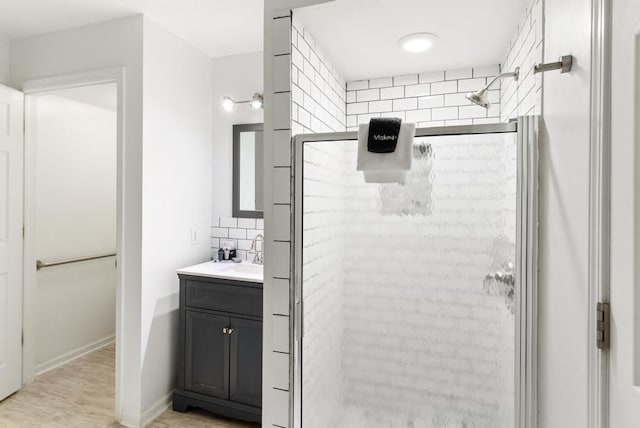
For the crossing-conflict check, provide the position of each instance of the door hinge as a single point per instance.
(603, 325)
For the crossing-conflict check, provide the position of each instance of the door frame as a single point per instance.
(526, 315)
(37, 87)
(599, 207)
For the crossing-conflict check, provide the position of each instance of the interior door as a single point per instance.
(624, 379)
(11, 195)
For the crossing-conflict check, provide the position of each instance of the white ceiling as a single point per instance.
(361, 36)
(216, 27)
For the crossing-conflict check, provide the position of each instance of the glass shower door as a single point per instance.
(409, 292)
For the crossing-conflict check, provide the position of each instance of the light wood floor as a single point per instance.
(81, 395)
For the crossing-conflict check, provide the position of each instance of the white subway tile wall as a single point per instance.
(287, 48)
(317, 88)
(241, 231)
(427, 99)
(524, 97)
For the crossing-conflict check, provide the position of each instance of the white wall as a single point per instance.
(563, 337)
(75, 217)
(116, 43)
(238, 77)
(176, 172)
(4, 61)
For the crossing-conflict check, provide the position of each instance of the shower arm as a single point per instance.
(564, 64)
(515, 74)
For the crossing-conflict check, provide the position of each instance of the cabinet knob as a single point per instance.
(230, 331)
(225, 330)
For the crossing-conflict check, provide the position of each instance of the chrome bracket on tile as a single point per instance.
(564, 65)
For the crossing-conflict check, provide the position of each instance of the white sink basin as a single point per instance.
(245, 271)
(245, 268)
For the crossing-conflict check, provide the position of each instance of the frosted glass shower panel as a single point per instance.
(408, 289)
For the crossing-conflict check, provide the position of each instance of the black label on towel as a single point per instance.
(383, 134)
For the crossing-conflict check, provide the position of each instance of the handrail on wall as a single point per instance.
(40, 264)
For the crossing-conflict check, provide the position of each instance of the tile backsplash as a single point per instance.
(241, 231)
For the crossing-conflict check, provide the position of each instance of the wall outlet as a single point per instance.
(228, 243)
(194, 237)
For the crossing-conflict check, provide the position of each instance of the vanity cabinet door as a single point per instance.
(246, 362)
(207, 354)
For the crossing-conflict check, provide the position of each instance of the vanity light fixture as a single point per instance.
(228, 103)
(417, 42)
(256, 102)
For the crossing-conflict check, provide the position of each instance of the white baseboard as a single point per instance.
(67, 357)
(129, 421)
(155, 410)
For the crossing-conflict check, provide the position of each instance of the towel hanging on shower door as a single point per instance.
(390, 162)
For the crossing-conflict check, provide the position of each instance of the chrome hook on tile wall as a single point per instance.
(564, 64)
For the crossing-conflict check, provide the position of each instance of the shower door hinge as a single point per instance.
(603, 325)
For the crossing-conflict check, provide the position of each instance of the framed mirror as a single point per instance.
(248, 201)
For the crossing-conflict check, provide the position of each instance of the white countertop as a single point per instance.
(245, 271)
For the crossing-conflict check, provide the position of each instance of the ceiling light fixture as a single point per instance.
(257, 102)
(417, 42)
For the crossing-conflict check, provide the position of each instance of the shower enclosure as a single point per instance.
(414, 303)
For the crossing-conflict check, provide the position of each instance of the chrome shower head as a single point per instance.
(481, 97)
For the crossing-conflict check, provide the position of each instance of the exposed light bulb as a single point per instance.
(256, 101)
(227, 103)
(417, 42)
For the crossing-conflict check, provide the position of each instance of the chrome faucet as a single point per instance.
(258, 257)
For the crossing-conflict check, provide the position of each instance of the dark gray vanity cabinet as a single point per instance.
(245, 383)
(206, 354)
(220, 347)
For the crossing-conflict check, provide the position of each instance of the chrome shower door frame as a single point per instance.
(526, 128)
